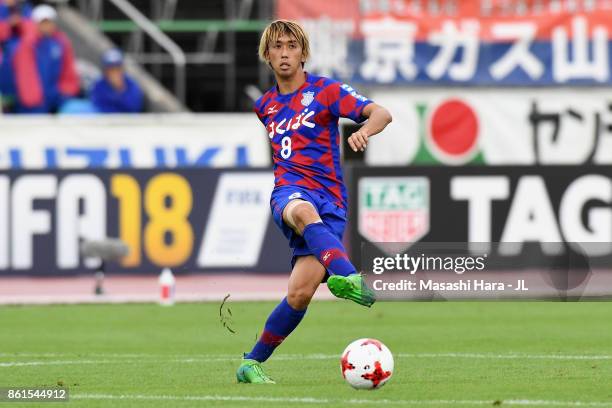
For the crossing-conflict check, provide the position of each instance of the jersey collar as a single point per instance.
(288, 96)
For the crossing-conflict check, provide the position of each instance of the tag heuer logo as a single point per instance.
(394, 209)
(307, 98)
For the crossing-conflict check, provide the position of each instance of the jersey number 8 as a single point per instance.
(286, 147)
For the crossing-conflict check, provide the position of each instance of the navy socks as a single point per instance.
(284, 319)
(328, 249)
(279, 325)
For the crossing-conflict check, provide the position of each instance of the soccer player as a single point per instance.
(309, 200)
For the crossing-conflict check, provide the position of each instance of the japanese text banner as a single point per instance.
(545, 42)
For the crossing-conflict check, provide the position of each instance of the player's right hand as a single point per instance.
(358, 140)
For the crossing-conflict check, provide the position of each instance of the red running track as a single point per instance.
(124, 289)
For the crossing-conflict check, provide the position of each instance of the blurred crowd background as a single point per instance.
(67, 56)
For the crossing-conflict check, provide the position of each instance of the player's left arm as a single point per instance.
(378, 119)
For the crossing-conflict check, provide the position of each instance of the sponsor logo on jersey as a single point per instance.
(353, 93)
(394, 210)
(303, 118)
(307, 98)
(295, 195)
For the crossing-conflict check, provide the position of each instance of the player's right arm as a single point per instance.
(344, 101)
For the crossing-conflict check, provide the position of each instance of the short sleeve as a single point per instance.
(257, 113)
(257, 109)
(346, 102)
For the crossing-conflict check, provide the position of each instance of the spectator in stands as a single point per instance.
(12, 14)
(116, 92)
(45, 73)
(15, 22)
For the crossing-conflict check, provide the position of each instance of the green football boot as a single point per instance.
(352, 287)
(250, 371)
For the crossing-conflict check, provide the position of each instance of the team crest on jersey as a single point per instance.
(307, 98)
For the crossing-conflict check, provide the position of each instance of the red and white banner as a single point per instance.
(515, 42)
(486, 126)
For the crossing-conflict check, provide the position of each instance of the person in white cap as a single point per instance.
(45, 16)
(45, 70)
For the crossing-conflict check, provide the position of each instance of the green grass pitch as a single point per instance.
(446, 354)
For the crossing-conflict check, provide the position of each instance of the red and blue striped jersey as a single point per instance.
(303, 130)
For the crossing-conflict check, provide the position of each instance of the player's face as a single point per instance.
(285, 56)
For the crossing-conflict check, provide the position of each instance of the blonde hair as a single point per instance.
(276, 29)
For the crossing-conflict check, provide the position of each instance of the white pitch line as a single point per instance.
(291, 357)
(118, 355)
(59, 362)
(125, 362)
(558, 403)
(507, 356)
(197, 358)
(346, 402)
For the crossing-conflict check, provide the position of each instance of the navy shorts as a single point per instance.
(333, 216)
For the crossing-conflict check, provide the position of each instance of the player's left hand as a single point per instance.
(358, 140)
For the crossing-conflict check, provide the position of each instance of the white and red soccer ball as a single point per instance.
(367, 364)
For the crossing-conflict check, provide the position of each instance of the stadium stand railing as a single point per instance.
(89, 44)
(218, 37)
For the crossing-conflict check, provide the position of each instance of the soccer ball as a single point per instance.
(366, 364)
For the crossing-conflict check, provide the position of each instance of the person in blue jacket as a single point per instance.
(116, 92)
(44, 66)
(15, 22)
(12, 14)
